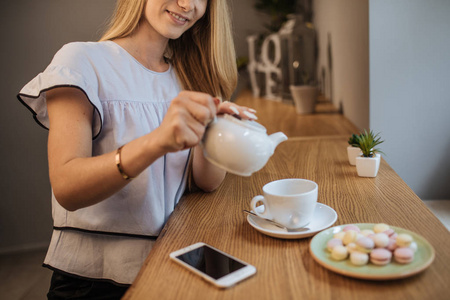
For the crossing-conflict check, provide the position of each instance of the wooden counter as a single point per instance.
(285, 268)
(277, 116)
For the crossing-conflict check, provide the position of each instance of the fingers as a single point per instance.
(237, 110)
(189, 114)
(186, 119)
(201, 106)
(188, 135)
(179, 130)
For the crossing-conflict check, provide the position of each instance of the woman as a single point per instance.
(134, 105)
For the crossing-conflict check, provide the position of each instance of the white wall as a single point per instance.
(343, 30)
(409, 90)
(408, 100)
(32, 31)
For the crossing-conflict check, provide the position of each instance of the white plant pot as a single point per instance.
(368, 166)
(353, 153)
(305, 97)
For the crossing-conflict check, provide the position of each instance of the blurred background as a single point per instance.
(384, 64)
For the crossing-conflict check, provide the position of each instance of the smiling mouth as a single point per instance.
(178, 17)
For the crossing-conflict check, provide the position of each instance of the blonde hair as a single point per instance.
(204, 56)
(125, 19)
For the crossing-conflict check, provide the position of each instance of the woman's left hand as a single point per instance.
(242, 112)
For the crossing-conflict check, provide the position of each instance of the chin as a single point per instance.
(173, 35)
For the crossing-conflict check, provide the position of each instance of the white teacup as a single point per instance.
(290, 202)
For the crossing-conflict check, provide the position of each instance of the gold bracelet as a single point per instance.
(118, 164)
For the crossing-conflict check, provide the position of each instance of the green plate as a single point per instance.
(423, 257)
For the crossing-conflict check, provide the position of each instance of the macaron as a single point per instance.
(392, 245)
(404, 240)
(364, 244)
(413, 246)
(391, 233)
(358, 258)
(380, 227)
(339, 253)
(380, 256)
(339, 235)
(404, 255)
(367, 232)
(333, 243)
(351, 227)
(381, 240)
(352, 247)
(349, 237)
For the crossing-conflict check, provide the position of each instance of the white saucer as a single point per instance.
(324, 217)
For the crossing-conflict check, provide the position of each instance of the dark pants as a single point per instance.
(67, 287)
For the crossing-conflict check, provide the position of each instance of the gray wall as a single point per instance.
(409, 95)
(246, 21)
(32, 31)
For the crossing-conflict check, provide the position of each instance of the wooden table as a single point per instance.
(285, 268)
(277, 116)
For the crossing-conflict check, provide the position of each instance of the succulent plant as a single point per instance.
(368, 142)
(354, 140)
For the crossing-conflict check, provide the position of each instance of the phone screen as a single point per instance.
(210, 262)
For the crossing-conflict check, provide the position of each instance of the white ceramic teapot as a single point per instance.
(240, 147)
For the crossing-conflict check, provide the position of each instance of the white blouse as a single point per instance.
(110, 240)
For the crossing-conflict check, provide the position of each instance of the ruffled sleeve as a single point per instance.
(71, 67)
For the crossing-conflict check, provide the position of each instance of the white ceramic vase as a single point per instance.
(353, 153)
(305, 98)
(368, 166)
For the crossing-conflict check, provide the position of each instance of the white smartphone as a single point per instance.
(213, 265)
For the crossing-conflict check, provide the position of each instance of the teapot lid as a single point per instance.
(246, 123)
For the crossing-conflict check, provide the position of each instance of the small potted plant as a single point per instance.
(353, 149)
(368, 163)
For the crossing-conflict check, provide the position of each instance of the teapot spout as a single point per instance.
(277, 138)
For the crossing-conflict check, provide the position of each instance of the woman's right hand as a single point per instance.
(79, 179)
(186, 119)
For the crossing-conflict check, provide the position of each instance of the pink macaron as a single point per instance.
(404, 255)
(392, 245)
(351, 227)
(380, 256)
(333, 243)
(391, 233)
(381, 240)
